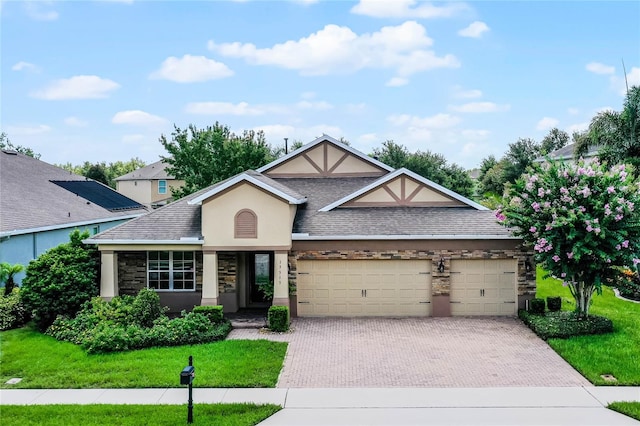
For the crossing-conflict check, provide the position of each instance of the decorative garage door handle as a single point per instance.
(425, 302)
(424, 273)
(512, 301)
(508, 272)
(454, 302)
(303, 301)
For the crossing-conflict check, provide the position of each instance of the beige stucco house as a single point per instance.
(353, 236)
(149, 185)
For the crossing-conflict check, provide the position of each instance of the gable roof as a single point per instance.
(402, 171)
(257, 179)
(30, 201)
(324, 139)
(152, 171)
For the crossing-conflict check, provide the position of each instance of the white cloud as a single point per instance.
(578, 127)
(308, 95)
(28, 130)
(358, 108)
(318, 105)
(460, 93)
(137, 118)
(474, 30)
(228, 108)
(368, 139)
(397, 82)
(75, 122)
(78, 87)
(438, 121)
(573, 111)
(190, 69)
(598, 68)
(24, 66)
(275, 133)
(338, 50)
(620, 85)
(406, 9)
(40, 10)
(480, 107)
(547, 123)
(475, 134)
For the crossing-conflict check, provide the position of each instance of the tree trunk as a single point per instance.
(582, 294)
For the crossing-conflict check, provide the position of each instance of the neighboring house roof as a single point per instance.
(331, 208)
(567, 153)
(153, 171)
(35, 196)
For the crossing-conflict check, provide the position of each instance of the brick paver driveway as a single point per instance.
(425, 352)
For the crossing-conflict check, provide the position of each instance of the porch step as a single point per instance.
(248, 323)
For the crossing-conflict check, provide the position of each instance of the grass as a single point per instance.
(631, 409)
(613, 353)
(98, 415)
(44, 362)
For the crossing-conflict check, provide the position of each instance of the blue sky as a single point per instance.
(102, 80)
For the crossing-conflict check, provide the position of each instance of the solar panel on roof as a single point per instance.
(98, 194)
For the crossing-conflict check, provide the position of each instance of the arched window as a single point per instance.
(246, 224)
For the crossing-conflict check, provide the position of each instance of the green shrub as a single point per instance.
(214, 313)
(565, 324)
(60, 281)
(146, 308)
(12, 312)
(554, 303)
(278, 318)
(536, 306)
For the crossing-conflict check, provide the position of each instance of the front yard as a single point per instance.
(616, 353)
(43, 362)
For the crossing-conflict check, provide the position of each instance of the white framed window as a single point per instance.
(171, 270)
(162, 187)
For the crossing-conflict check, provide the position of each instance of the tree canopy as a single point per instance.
(104, 172)
(582, 222)
(202, 157)
(5, 143)
(427, 164)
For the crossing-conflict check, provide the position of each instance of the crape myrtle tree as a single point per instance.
(582, 221)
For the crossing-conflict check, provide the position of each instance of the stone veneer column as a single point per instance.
(281, 279)
(209, 278)
(108, 274)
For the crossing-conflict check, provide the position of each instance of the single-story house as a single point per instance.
(40, 204)
(566, 154)
(149, 185)
(351, 235)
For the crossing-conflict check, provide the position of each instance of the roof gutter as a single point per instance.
(307, 237)
(67, 225)
(183, 241)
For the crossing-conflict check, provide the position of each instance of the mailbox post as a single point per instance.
(186, 378)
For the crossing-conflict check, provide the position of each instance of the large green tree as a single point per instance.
(617, 133)
(202, 157)
(581, 220)
(427, 164)
(104, 172)
(5, 143)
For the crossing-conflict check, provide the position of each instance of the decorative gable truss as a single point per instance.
(325, 157)
(403, 188)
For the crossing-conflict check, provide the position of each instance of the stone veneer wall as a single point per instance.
(440, 282)
(227, 272)
(132, 272)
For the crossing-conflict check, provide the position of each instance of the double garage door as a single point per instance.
(403, 287)
(364, 288)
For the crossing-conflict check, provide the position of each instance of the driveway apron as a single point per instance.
(416, 352)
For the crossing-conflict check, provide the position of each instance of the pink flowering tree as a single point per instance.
(582, 221)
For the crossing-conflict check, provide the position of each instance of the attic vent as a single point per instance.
(246, 224)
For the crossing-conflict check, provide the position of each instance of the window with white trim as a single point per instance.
(162, 187)
(171, 270)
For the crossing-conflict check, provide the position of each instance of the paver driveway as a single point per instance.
(412, 352)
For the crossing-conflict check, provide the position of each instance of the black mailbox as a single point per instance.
(187, 374)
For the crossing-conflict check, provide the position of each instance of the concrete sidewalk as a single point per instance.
(381, 406)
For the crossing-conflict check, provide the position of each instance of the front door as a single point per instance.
(259, 272)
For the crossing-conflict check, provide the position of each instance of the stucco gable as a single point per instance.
(403, 188)
(325, 157)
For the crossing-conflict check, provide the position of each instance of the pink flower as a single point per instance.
(625, 244)
(589, 228)
(619, 217)
(570, 255)
(533, 229)
(563, 275)
(636, 261)
(611, 190)
(556, 258)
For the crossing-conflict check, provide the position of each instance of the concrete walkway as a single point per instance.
(565, 406)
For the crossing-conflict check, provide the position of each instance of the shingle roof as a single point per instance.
(28, 198)
(567, 153)
(153, 171)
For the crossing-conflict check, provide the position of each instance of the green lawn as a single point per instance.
(43, 362)
(157, 415)
(631, 409)
(616, 353)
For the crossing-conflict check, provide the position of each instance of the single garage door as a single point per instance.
(483, 286)
(364, 288)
